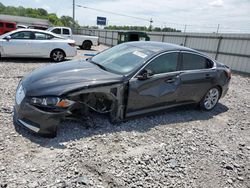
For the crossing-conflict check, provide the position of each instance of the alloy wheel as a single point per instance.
(211, 98)
(58, 55)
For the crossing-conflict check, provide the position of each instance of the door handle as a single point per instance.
(208, 76)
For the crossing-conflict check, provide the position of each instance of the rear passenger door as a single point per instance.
(197, 76)
(42, 45)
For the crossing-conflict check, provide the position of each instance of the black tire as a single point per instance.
(86, 45)
(211, 98)
(57, 55)
(51, 135)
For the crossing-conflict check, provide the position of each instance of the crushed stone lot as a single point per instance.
(183, 147)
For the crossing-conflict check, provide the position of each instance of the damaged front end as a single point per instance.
(43, 114)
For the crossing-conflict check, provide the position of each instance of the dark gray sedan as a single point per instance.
(124, 81)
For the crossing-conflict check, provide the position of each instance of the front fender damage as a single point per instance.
(102, 99)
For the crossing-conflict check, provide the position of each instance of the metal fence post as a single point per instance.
(218, 47)
(106, 37)
(185, 40)
(112, 42)
(162, 38)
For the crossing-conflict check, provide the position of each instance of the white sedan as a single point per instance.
(36, 43)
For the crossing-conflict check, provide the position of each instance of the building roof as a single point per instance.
(24, 20)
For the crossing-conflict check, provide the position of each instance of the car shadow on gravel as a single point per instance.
(100, 125)
(27, 60)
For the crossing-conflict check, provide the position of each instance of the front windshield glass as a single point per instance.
(122, 59)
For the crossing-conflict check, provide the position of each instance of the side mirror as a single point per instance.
(145, 74)
(8, 38)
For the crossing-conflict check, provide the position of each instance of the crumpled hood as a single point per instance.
(58, 79)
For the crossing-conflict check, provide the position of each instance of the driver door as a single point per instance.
(158, 90)
(19, 45)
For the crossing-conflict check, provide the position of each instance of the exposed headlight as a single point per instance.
(51, 101)
(19, 94)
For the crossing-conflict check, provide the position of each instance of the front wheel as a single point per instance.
(210, 100)
(57, 55)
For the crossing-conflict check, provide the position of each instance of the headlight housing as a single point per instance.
(51, 102)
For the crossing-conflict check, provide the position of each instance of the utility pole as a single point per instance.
(218, 27)
(74, 14)
(185, 28)
(150, 24)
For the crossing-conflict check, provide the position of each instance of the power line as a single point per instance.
(140, 18)
(186, 26)
(109, 12)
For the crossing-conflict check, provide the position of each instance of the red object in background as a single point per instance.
(6, 27)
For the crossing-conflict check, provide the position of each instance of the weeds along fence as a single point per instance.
(230, 49)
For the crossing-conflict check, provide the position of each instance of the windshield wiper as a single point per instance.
(97, 64)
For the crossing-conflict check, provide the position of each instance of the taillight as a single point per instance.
(229, 73)
(72, 44)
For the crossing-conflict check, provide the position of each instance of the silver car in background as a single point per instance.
(36, 43)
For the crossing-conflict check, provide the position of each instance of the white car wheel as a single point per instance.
(57, 55)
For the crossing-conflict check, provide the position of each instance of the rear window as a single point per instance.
(65, 31)
(43, 36)
(1, 24)
(57, 31)
(194, 62)
(10, 25)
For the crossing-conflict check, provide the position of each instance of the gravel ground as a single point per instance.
(178, 148)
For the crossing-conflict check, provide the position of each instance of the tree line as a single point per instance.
(38, 13)
(68, 21)
(142, 28)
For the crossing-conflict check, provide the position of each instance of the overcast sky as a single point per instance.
(198, 15)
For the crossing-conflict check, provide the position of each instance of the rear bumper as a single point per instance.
(71, 52)
(225, 89)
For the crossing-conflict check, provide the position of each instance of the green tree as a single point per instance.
(42, 12)
(157, 29)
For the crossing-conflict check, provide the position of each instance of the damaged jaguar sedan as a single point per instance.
(127, 80)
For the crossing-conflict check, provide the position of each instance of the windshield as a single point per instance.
(7, 34)
(122, 59)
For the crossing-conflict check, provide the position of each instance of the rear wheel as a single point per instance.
(211, 98)
(57, 55)
(86, 45)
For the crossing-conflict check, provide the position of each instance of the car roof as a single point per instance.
(32, 30)
(160, 46)
(35, 30)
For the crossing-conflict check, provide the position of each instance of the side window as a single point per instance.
(10, 25)
(194, 62)
(65, 31)
(1, 24)
(43, 36)
(56, 31)
(164, 63)
(23, 35)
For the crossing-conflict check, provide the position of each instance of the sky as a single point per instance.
(194, 15)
